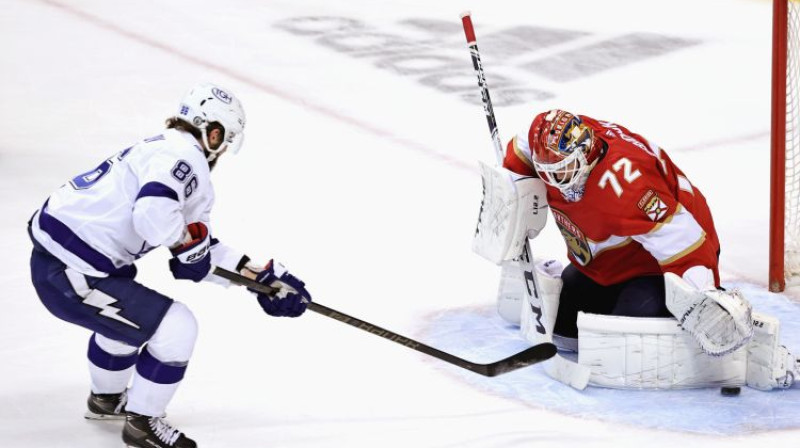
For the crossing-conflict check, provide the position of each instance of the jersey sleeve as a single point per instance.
(157, 210)
(652, 214)
(518, 156)
(227, 258)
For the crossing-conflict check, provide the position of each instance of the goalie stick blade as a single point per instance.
(525, 358)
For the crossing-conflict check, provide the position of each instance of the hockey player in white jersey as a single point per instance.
(89, 233)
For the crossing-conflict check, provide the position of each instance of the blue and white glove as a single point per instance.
(192, 260)
(291, 298)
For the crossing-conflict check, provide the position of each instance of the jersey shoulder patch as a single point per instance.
(653, 206)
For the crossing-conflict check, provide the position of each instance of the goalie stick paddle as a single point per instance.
(530, 356)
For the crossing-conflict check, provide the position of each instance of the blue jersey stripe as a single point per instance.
(157, 189)
(63, 235)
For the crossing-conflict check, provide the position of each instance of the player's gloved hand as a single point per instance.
(191, 260)
(291, 298)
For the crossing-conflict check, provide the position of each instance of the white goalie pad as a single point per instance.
(511, 295)
(720, 321)
(513, 209)
(769, 364)
(651, 353)
(510, 292)
(548, 276)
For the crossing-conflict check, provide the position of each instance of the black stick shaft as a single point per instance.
(522, 359)
(488, 109)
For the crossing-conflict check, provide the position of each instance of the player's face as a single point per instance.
(565, 175)
(560, 174)
(214, 141)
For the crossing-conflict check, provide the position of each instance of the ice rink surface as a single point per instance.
(359, 173)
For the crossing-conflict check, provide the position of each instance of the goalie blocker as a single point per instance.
(513, 209)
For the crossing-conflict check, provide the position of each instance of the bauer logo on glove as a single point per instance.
(190, 260)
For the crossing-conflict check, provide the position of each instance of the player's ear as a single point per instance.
(215, 136)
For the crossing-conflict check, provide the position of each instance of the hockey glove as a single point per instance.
(191, 260)
(291, 297)
(720, 321)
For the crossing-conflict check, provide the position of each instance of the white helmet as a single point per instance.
(207, 103)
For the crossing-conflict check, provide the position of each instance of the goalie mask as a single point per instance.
(564, 151)
(208, 103)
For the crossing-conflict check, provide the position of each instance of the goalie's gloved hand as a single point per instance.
(291, 298)
(191, 260)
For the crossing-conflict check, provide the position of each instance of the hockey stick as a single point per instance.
(563, 370)
(525, 261)
(519, 360)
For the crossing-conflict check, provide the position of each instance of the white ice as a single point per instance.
(362, 181)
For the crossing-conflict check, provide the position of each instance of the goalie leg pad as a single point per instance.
(769, 364)
(651, 353)
(511, 292)
(548, 276)
(514, 208)
(720, 321)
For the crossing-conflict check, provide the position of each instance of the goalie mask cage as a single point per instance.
(784, 250)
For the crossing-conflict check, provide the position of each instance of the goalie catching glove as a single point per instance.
(290, 298)
(720, 321)
(514, 208)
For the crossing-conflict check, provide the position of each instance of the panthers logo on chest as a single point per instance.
(575, 239)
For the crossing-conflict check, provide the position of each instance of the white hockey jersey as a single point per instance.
(103, 220)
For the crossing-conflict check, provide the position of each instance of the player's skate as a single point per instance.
(106, 406)
(141, 431)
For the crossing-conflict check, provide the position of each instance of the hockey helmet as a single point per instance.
(564, 150)
(208, 103)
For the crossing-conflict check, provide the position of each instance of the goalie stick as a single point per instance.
(530, 356)
(525, 260)
(563, 370)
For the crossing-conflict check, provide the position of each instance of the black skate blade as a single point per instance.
(89, 415)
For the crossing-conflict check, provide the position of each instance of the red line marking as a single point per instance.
(267, 88)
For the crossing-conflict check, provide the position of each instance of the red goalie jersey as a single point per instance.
(637, 214)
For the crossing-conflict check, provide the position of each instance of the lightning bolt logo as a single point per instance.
(105, 303)
(96, 298)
